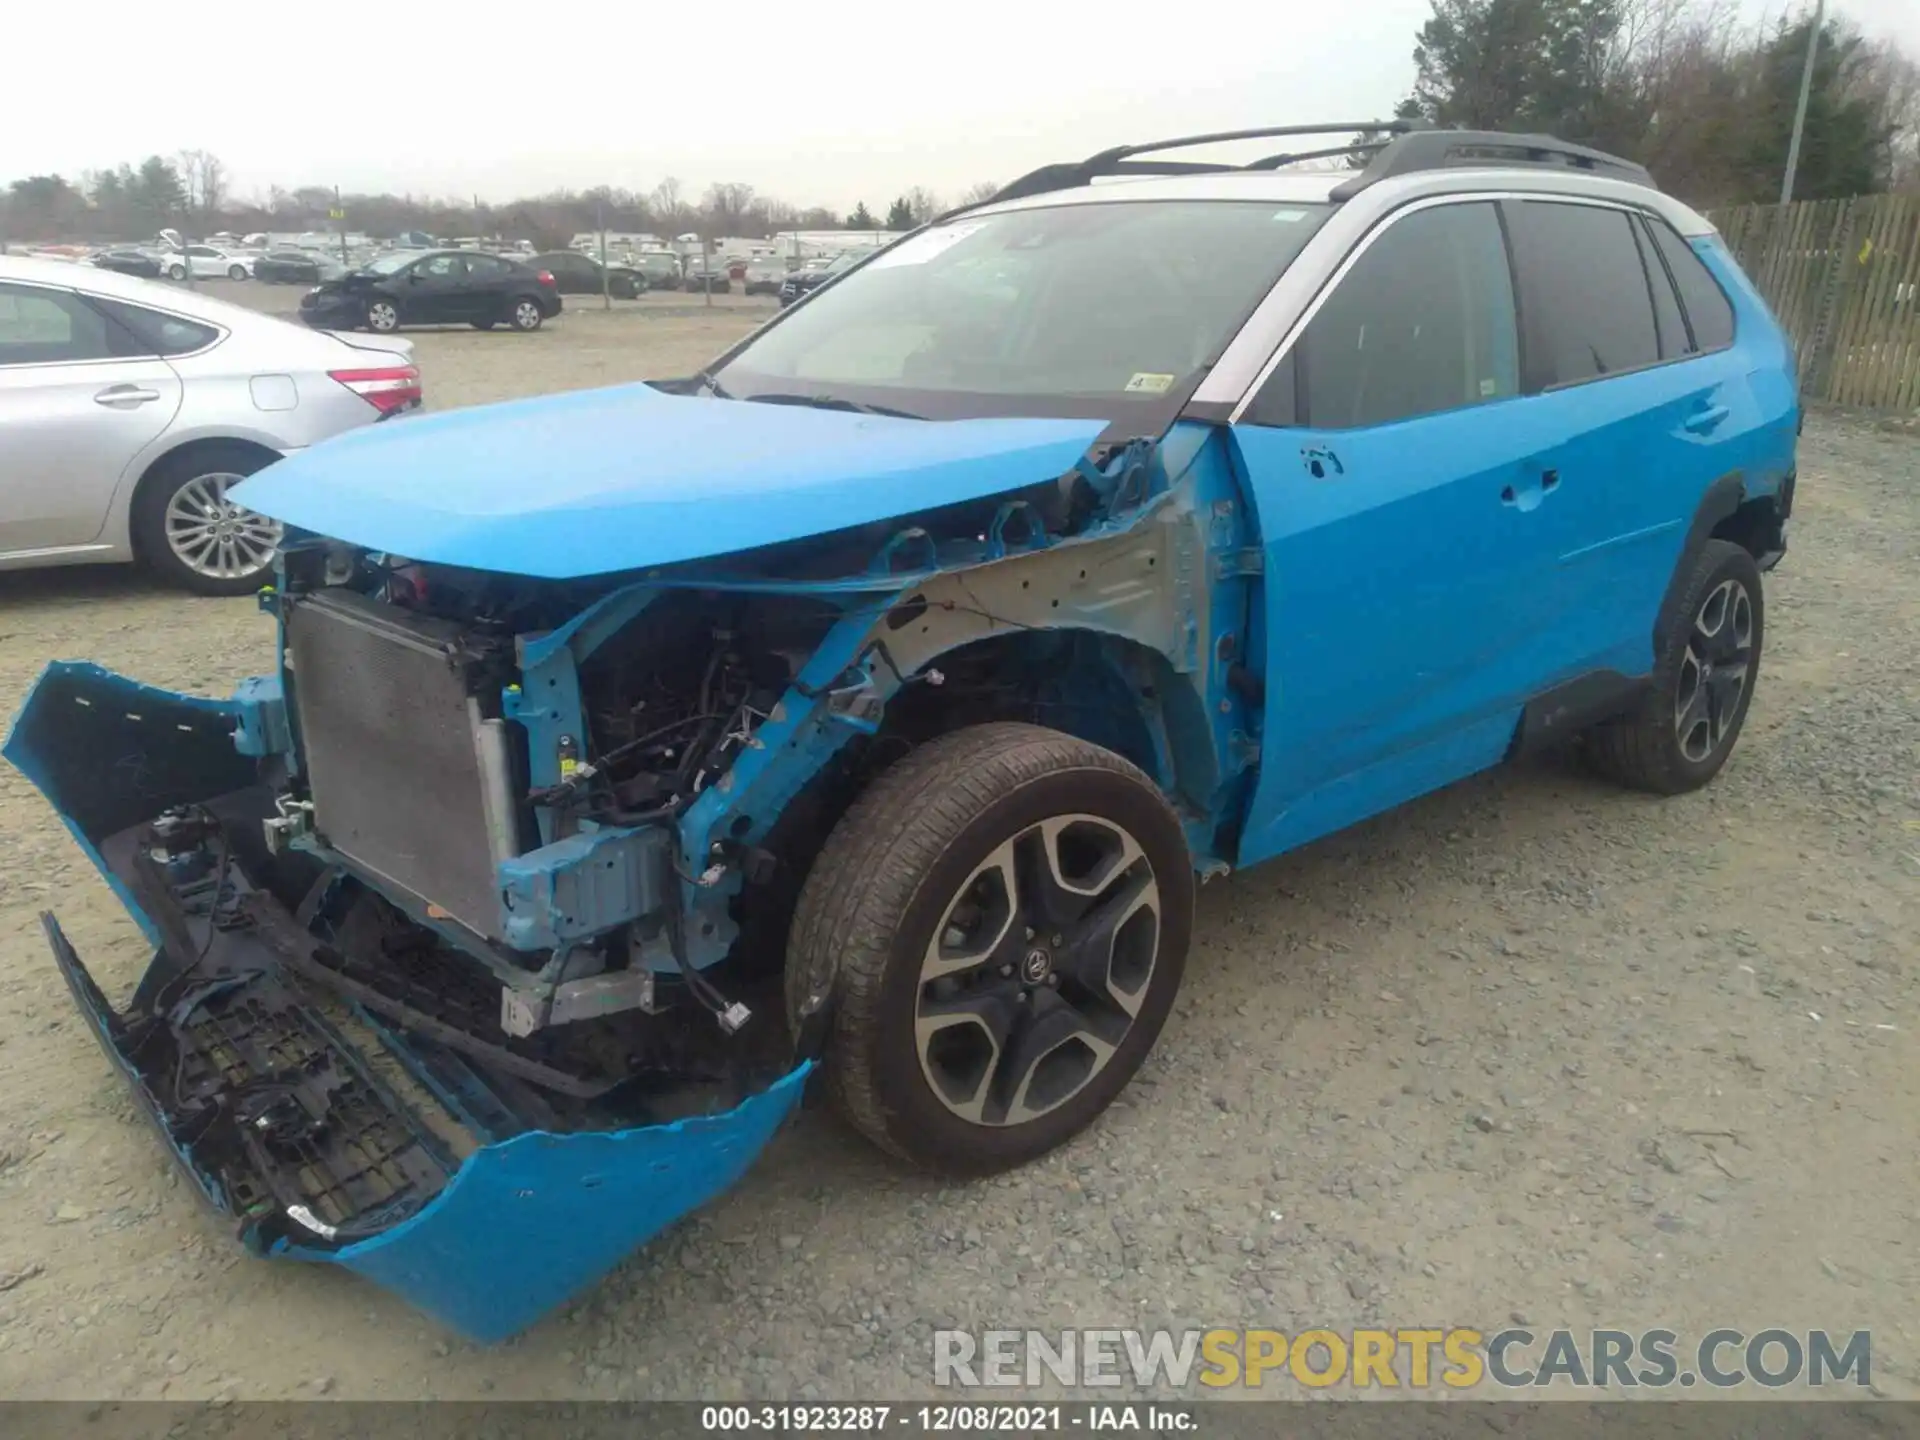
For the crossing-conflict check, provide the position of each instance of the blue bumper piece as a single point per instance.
(488, 1244)
(526, 1224)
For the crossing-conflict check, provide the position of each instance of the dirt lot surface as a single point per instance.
(1529, 1049)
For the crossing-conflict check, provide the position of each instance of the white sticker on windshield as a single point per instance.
(1289, 215)
(1146, 382)
(922, 248)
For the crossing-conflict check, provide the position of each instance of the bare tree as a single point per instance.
(981, 193)
(726, 205)
(923, 204)
(205, 179)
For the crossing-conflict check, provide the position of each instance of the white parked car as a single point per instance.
(207, 262)
(129, 407)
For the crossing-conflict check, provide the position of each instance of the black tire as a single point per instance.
(157, 490)
(236, 272)
(890, 878)
(176, 272)
(1666, 745)
(524, 314)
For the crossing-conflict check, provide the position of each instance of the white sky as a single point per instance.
(821, 103)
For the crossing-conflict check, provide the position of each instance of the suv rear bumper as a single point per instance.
(452, 1200)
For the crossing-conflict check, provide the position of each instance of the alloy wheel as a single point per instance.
(214, 537)
(1037, 970)
(383, 315)
(526, 315)
(1713, 671)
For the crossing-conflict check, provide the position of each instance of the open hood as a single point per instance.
(617, 479)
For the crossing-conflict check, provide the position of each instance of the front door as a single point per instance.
(76, 406)
(1392, 465)
(434, 290)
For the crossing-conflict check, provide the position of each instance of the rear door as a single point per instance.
(1384, 461)
(77, 403)
(1640, 412)
(484, 290)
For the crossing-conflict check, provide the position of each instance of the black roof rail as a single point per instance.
(1446, 149)
(1120, 159)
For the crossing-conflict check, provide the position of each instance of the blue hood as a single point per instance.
(618, 479)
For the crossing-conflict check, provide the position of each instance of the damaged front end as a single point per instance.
(469, 923)
(483, 1177)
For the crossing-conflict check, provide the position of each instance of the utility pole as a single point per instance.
(340, 214)
(606, 290)
(1800, 108)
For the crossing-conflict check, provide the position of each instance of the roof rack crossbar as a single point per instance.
(1446, 149)
(1120, 159)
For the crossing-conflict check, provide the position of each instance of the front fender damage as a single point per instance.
(429, 1177)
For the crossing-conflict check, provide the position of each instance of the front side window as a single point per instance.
(1590, 311)
(51, 327)
(1423, 321)
(1072, 309)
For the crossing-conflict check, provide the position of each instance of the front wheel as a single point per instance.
(1705, 666)
(525, 315)
(176, 272)
(236, 272)
(994, 935)
(383, 316)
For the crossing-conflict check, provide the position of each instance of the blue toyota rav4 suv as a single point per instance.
(873, 701)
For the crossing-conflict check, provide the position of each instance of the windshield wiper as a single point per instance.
(714, 387)
(836, 402)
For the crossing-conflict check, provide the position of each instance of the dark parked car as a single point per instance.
(661, 268)
(129, 262)
(441, 287)
(804, 282)
(578, 274)
(296, 267)
(713, 277)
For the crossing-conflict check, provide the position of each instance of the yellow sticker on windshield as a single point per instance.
(1146, 383)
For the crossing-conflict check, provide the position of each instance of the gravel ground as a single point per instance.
(1530, 1048)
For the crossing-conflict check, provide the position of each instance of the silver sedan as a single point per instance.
(128, 408)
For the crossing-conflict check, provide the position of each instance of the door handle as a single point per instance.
(125, 396)
(1532, 490)
(1703, 422)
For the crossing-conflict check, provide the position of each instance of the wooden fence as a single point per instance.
(1843, 276)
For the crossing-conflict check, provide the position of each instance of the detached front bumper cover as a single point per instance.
(271, 1109)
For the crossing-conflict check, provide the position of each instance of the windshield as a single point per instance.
(1093, 306)
(387, 264)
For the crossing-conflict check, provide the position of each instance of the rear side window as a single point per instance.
(156, 333)
(485, 267)
(1708, 311)
(1590, 311)
(1675, 342)
(1422, 322)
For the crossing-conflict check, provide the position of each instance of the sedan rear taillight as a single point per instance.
(545, 277)
(391, 388)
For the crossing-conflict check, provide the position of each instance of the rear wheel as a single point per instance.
(1705, 667)
(995, 932)
(176, 272)
(236, 272)
(188, 532)
(524, 314)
